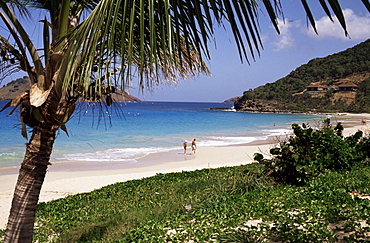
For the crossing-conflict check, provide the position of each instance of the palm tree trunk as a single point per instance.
(28, 187)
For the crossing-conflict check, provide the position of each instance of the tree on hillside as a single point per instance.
(90, 47)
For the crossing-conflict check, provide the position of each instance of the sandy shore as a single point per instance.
(70, 178)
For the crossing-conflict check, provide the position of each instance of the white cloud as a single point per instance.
(285, 39)
(358, 27)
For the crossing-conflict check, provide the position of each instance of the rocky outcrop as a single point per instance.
(258, 106)
(121, 96)
(231, 100)
(220, 109)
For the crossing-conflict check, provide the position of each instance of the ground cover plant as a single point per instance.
(224, 205)
(230, 204)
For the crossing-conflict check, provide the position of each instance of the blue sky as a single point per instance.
(296, 45)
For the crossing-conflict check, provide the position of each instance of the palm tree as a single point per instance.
(91, 47)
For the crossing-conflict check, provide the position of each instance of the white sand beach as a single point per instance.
(68, 178)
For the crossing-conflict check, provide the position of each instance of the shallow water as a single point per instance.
(132, 130)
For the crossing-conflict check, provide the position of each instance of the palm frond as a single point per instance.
(339, 13)
(158, 40)
(309, 15)
(367, 4)
(19, 7)
(11, 59)
(163, 40)
(19, 33)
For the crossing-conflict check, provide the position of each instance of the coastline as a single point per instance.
(68, 178)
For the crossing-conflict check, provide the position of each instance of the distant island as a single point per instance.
(20, 85)
(336, 83)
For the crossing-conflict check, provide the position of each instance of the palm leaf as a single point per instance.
(367, 4)
(309, 15)
(339, 13)
(271, 14)
(326, 9)
(163, 40)
(20, 34)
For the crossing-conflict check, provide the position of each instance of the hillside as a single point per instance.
(317, 86)
(16, 87)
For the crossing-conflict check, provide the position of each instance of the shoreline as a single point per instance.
(69, 178)
(63, 180)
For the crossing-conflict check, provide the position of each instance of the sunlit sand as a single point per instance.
(68, 178)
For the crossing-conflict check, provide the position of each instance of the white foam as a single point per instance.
(225, 141)
(113, 155)
(130, 155)
(277, 132)
(8, 154)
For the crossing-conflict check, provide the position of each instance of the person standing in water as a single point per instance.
(193, 146)
(185, 144)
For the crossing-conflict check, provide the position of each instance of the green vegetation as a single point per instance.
(339, 67)
(362, 99)
(322, 203)
(309, 153)
(14, 88)
(19, 81)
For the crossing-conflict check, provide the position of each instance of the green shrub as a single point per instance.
(311, 152)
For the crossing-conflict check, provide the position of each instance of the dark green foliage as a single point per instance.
(311, 152)
(362, 99)
(18, 81)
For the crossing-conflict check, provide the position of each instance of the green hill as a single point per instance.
(14, 88)
(329, 73)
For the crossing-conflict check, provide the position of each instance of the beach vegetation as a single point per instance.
(88, 48)
(229, 204)
(310, 152)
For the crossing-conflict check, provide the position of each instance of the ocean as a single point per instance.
(127, 131)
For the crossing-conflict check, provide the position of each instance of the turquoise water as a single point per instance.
(132, 130)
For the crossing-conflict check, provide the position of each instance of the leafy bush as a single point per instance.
(311, 152)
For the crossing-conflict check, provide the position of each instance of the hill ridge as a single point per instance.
(289, 94)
